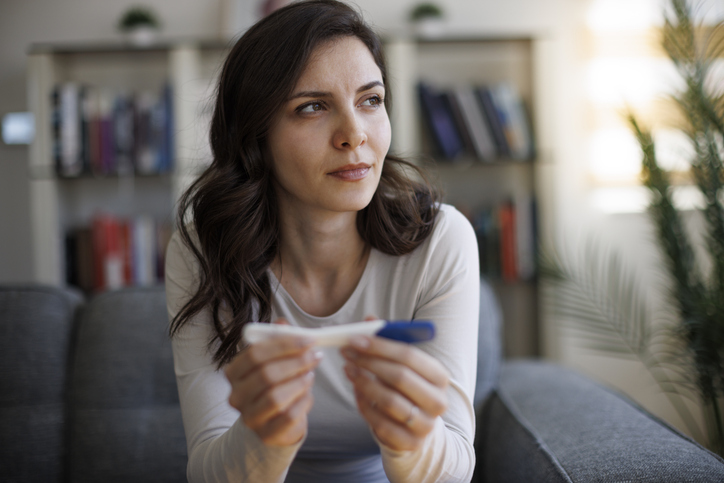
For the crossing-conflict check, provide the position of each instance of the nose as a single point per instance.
(349, 132)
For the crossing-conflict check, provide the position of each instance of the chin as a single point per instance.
(354, 203)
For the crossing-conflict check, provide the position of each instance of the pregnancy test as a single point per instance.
(339, 335)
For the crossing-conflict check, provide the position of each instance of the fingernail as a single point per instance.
(318, 355)
(351, 370)
(360, 342)
(309, 375)
(349, 353)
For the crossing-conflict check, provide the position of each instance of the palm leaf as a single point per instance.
(600, 303)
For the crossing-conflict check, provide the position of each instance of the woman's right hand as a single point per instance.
(271, 385)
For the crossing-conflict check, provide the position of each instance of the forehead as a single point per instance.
(344, 59)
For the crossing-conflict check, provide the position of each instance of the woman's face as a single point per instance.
(329, 140)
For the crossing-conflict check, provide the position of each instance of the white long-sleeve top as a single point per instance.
(438, 281)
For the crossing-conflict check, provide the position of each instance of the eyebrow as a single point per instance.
(365, 87)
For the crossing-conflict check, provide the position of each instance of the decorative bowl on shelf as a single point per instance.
(141, 36)
(429, 28)
(427, 20)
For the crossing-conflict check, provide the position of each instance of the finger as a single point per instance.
(389, 402)
(406, 354)
(262, 352)
(288, 427)
(371, 317)
(390, 433)
(273, 373)
(428, 397)
(277, 400)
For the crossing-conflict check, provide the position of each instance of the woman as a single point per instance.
(304, 218)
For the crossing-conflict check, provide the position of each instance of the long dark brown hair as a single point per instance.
(233, 205)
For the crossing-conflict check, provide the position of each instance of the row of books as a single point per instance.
(484, 122)
(116, 252)
(507, 239)
(98, 131)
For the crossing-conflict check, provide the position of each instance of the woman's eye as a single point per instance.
(311, 107)
(372, 101)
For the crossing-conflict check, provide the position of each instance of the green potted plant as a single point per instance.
(140, 26)
(427, 19)
(604, 303)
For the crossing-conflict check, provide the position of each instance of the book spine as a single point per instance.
(479, 131)
(123, 134)
(56, 122)
(144, 251)
(485, 101)
(459, 121)
(107, 142)
(518, 132)
(126, 251)
(525, 238)
(509, 269)
(440, 121)
(70, 131)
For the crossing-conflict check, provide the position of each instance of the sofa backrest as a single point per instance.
(125, 416)
(490, 346)
(35, 343)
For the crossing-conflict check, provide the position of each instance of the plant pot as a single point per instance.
(141, 36)
(429, 27)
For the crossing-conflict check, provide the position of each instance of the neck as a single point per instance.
(318, 246)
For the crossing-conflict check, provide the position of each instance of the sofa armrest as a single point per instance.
(549, 424)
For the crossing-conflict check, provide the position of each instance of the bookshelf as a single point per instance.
(468, 182)
(61, 204)
(189, 67)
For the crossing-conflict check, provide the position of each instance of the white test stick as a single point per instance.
(335, 336)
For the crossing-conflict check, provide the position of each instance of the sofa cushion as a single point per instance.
(35, 335)
(549, 424)
(126, 421)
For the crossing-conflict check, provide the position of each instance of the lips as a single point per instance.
(351, 172)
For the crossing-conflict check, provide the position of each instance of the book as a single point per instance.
(70, 134)
(79, 253)
(115, 252)
(144, 250)
(515, 120)
(92, 151)
(146, 144)
(106, 141)
(485, 224)
(525, 237)
(166, 127)
(508, 250)
(125, 247)
(107, 255)
(487, 105)
(475, 123)
(123, 134)
(98, 131)
(440, 121)
(457, 115)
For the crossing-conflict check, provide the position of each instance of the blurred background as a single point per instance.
(120, 121)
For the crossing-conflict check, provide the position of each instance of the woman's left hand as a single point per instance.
(400, 389)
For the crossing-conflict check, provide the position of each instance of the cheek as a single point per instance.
(382, 132)
(288, 150)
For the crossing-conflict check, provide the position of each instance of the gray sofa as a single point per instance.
(88, 395)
